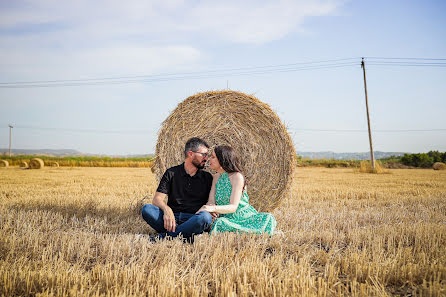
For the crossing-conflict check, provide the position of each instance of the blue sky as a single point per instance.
(78, 40)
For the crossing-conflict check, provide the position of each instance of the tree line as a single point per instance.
(423, 160)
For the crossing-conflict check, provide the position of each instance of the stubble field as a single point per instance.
(76, 232)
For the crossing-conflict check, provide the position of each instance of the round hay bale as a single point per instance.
(251, 127)
(23, 164)
(4, 163)
(54, 164)
(36, 163)
(439, 166)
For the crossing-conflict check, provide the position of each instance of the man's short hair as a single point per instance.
(193, 144)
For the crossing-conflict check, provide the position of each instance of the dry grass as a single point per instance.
(242, 121)
(80, 162)
(73, 232)
(366, 167)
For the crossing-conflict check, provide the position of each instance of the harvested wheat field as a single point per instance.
(75, 232)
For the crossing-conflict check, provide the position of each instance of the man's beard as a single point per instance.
(197, 164)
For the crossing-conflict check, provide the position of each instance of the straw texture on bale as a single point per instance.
(36, 163)
(439, 166)
(54, 164)
(251, 127)
(24, 164)
(4, 163)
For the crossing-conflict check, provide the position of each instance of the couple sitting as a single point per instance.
(195, 197)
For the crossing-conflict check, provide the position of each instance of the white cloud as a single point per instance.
(68, 39)
(256, 21)
(230, 20)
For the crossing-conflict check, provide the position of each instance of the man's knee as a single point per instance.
(154, 217)
(150, 210)
(204, 217)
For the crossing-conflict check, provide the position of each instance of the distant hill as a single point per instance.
(63, 153)
(51, 152)
(309, 155)
(347, 156)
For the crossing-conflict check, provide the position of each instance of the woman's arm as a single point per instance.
(237, 181)
(211, 199)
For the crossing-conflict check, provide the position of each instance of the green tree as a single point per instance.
(435, 155)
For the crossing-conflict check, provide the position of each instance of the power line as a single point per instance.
(182, 73)
(394, 58)
(195, 75)
(220, 70)
(145, 131)
(255, 70)
(411, 63)
(363, 130)
(86, 130)
(425, 62)
(407, 64)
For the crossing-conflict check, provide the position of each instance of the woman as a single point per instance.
(229, 199)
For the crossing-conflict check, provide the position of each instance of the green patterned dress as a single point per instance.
(245, 219)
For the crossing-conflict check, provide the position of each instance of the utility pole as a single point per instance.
(10, 132)
(372, 156)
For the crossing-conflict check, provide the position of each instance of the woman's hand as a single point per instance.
(210, 209)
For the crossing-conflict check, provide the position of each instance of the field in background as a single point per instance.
(408, 161)
(147, 162)
(75, 231)
(83, 161)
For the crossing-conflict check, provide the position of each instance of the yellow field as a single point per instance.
(75, 232)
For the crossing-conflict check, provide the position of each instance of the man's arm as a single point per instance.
(169, 217)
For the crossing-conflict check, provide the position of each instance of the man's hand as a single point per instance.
(169, 217)
(169, 220)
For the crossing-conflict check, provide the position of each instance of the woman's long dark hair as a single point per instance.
(228, 159)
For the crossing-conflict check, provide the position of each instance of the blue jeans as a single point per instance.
(188, 224)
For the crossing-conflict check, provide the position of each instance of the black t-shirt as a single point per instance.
(185, 193)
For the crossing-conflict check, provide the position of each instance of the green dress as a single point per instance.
(245, 219)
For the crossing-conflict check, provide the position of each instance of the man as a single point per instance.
(187, 188)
